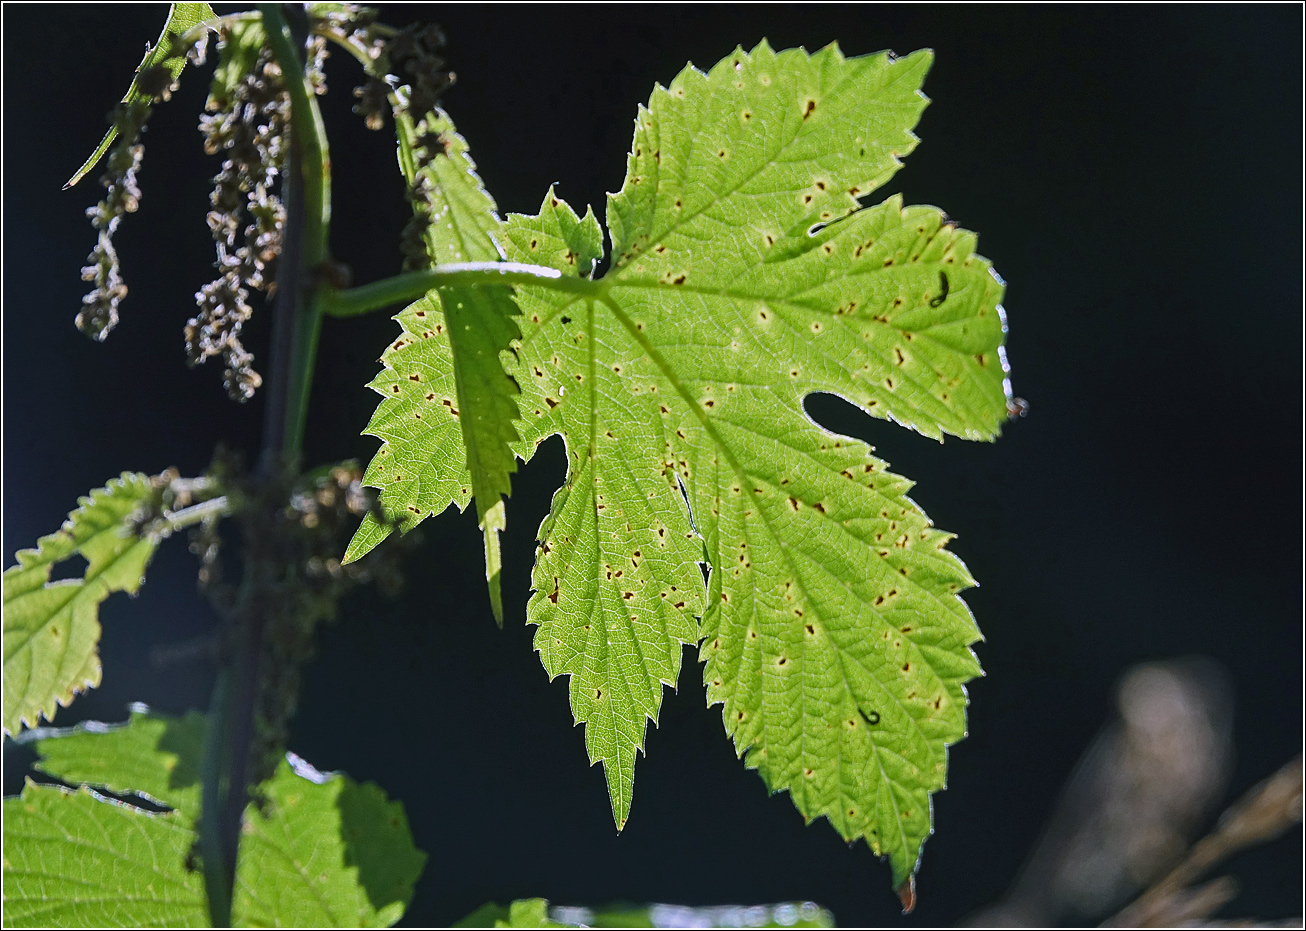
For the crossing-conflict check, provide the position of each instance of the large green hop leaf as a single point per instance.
(330, 853)
(746, 278)
(51, 629)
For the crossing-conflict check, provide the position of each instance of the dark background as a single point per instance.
(1135, 175)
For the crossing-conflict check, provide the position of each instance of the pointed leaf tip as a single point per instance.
(907, 895)
(494, 563)
(182, 17)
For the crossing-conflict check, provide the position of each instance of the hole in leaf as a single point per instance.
(74, 567)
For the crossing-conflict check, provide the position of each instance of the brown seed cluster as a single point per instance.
(251, 129)
(292, 557)
(420, 194)
(412, 241)
(405, 56)
(398, 56)
(293, 531)
(99, 312)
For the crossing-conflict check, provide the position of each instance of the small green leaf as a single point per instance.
(51, 629)
(330, 853)
(557, 238)
(182, 17)
(472, 327)
(239, 51)
(536, 913)
(151, 756)
(521, 913)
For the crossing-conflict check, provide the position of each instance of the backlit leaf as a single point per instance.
(182, 17)
(746, 277)
(329, 853)
(74, 859)
(474, 326)
(51, 629)
(152, 756)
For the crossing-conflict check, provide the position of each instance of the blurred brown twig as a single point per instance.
(1265, 812)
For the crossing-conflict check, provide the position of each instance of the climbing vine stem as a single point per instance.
(312, 171)
(306, 192)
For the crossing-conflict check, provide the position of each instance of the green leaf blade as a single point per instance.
(764, 142)
(833, 635)
(333, 853)
(51, 629)
(74, 859)
(329, 853)
(152, 756)
(470, 328)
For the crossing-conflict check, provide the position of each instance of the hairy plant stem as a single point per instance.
(297, 314)
(309, 166)
(186, 517)
(409, 286)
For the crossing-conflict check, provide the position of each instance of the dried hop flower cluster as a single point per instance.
(248, 122)
(99, 312)
(156, 82)
(247, 221)
(398, 56)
